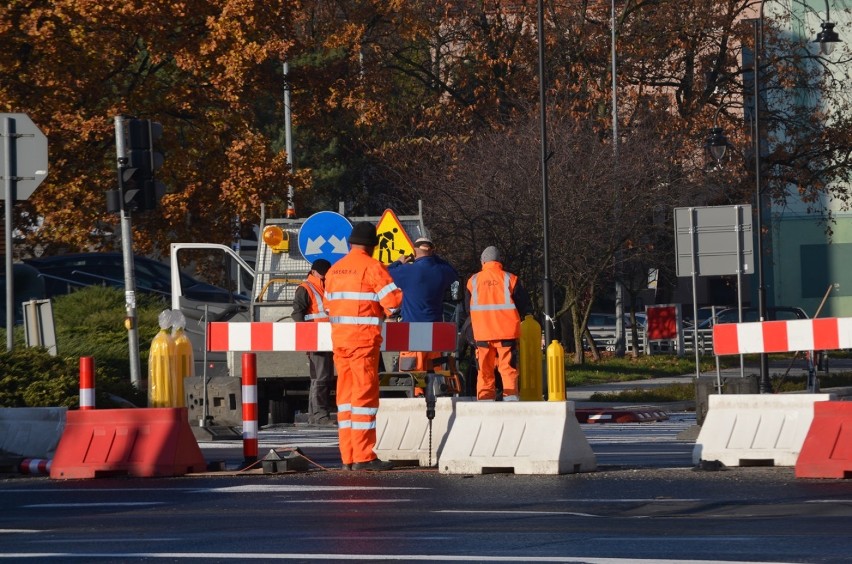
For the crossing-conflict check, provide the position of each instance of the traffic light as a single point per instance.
(139, 159)
(144, 159)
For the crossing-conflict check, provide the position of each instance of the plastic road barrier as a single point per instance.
(821, 334)
(827, 451)
(265, 336)
(145, 442)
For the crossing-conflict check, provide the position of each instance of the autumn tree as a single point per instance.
(394, 101)
(204, 70)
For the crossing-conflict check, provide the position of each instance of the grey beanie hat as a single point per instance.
(489, 254)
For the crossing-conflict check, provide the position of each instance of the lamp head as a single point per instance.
(827, 38)
(717, 144)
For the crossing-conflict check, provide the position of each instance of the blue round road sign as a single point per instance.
(325, 235)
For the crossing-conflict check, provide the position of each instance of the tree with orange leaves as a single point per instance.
(383, 89)
(203, 70)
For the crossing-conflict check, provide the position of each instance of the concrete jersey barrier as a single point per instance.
(531, 437)
(756, 429)
(402, 429)
(31, 432)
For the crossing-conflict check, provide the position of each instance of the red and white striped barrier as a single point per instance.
(830, 333)
(35, 466)
(87, 382)
(250, 407)
(267, 336)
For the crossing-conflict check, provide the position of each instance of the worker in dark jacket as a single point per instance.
(308, 305)
(424, 280)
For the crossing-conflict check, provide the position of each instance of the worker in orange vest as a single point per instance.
(308, 305)
(359, 295)
(496, 301)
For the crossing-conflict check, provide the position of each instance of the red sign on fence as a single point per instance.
(662, 322)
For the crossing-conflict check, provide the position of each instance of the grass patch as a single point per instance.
(686, 392)
(669, 393)
(797, 384)
(625, 369)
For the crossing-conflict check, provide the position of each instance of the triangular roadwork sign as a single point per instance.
(393, 240)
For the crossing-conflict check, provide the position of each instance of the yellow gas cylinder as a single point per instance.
(530, 368)
(184, 361)
(555, 371)
(161, 365)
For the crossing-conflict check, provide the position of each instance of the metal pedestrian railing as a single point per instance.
(605, 340)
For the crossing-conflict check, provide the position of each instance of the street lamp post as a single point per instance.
(765, 385)
(620, 337)
(545, 219)
(717, 142)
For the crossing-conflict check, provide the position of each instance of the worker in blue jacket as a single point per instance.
(424, 280)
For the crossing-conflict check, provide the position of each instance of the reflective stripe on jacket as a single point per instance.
(359, 294)
(316, 307)
(493, 314)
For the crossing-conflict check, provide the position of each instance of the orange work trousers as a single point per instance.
(357, 401)
(418, 361)
(502, 355)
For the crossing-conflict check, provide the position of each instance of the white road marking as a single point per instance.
(629, 500)
(66, 490)
(255, 488)
(358, 501)
(264, 445)
(93, 505)
(513, 512)
(229, 489)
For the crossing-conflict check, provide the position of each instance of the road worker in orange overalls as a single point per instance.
(496, 301)
(359, 295)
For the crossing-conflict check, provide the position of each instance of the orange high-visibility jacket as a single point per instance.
(316, 306)
(359, 294)
(493, 314)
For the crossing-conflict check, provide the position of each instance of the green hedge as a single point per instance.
(88, 322)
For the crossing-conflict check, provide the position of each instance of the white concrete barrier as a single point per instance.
(31, 432)
(402, 429)
(756, 429)
(528, 437)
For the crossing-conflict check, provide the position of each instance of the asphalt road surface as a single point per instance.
(645, 503)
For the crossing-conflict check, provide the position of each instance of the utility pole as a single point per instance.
(288, 142)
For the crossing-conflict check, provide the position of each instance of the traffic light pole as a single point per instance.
(130, 322)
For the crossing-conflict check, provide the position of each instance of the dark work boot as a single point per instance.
(374, 465)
